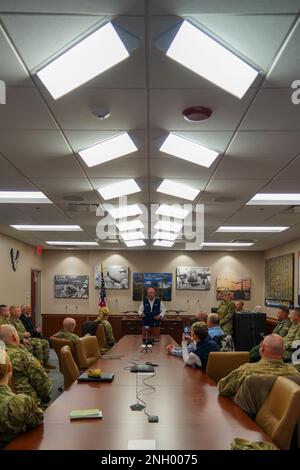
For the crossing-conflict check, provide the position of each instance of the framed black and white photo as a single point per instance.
(71, 287)
(195, 278)
(115, 277)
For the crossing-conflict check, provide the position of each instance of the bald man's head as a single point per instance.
(202, 316)
(15, 311)
(9, 335)
(69, 324)
(151, 293)
(272, 347)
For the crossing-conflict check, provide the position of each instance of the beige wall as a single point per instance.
(291, 247)
(245, 264)
(15, 285)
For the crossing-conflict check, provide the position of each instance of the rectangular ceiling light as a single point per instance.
(200, 53)
(63, 243)
(130, 225)
(108, 149)
(96, 53)
(24, 197)
(165, 243)
(177, 189)
(165, 236)
(168, 226)
(131, 243)
(188, 150)
(48, 228)
(230, 229)
(124, 211)
(173, 210)
(227, 245)
(122, 188)
(271, 199)
(126, 236)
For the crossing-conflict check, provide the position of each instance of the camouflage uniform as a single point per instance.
(39, 347)
(280, 329)
(226, 311)
(66, 335)
(17, 413)
(4, 321)
(293, 334)
(229, 385)
(29, 377)
(108, 332)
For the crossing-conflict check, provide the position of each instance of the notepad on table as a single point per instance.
(82, 414)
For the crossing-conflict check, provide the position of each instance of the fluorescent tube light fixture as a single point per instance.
(199, 52)
(168, 226)
(63, 243)
(173, 210)
(130, 225)
(171, 236)
(272, 199)
(98, 52)
(245, 229)
(108, 150)
(188, 150)
(48, 228)
(122, 188)
(124, 211)
(131, 243)
(127, 236)
(227, 245)
(177, 189)
(165, 243)
(24, 197)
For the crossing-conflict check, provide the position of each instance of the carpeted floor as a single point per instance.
(55, 376)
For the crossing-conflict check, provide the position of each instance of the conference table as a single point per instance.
(191, 413)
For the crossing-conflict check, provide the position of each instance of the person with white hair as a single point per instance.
(67, 331)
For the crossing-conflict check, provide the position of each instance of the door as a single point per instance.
(36, 297)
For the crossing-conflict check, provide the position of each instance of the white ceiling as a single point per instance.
(258, 137)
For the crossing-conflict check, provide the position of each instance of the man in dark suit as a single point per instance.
(28, 323)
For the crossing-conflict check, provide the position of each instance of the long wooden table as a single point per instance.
(191, 413)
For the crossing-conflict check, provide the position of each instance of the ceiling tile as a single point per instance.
(268, 144)
(248, 168)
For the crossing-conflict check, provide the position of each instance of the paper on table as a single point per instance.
(142, 444)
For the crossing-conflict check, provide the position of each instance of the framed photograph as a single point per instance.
(71, 287)
(162, 283)
(193, 278)
(279, 281)
(239, 287)
(115, 277)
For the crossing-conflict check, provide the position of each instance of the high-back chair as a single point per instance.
(280, 412)
(87, 351)
(101, 338)
(220, 364)
(58, 343)
(69, 367)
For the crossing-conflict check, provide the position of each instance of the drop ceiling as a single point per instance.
(258, 136)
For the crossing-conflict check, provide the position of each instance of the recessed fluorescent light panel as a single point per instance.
(165, 243)
(227, 245)
(93, 55)
(271, 199)
(131, 243)
(48, 228)
(165, 236)
(178, 190)
(23, 197)
(62, 243)
(131, 225)
(188, 150)
(168, 226)
(251, 229)
(174, 211)
(122, 188)
(124, 211)
(108, 149)
(205, 56)
(126, 236)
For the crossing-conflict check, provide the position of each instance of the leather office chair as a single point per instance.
(280, 413)
(69, 367)
(87, 351)
(58, 343)
(221, 364)
(101, 338)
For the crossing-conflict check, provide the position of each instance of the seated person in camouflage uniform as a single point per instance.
(293, 333)
(4, 315)
(17, 412)
(103, 318)
(280, 329)
(271, 363)
(67, 332)
(29, 377)
(226, 311)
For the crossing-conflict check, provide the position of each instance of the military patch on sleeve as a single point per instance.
(36, 362)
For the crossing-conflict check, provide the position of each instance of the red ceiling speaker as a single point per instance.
(196, 113)
(39, 250)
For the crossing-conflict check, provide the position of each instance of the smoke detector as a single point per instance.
(101, 113)
(196, 113)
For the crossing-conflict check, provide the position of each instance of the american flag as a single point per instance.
(102, 294)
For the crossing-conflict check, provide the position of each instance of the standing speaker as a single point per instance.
(248, 329)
